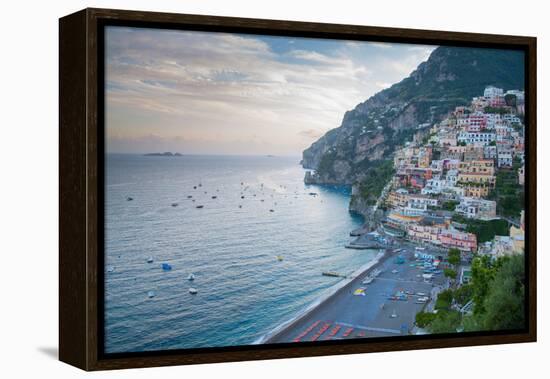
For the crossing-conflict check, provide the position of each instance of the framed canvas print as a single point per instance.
(237, 189)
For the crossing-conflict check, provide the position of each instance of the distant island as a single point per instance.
(165, 154)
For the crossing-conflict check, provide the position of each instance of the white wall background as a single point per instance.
(28, 190)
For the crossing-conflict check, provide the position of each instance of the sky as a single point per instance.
(220, 93)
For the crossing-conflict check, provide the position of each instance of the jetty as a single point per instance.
(369, 241)
(360, 231)
(333, 274)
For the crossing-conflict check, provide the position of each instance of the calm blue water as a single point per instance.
(243, 290)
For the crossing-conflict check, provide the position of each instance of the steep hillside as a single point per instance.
(373, 129)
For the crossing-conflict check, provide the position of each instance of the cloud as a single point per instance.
(215, 90)
(383, 85)
(381, 45)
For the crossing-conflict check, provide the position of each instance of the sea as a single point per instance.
(256, 248)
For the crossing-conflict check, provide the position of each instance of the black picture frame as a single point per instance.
(81, 184)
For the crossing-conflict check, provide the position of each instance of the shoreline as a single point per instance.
(324, 298)
(385, 306)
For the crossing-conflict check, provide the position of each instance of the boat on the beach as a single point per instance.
(368, 280)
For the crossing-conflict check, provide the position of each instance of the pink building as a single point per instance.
(459, 240)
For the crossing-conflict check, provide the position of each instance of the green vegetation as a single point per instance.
(376, 177)
(327, 163)
(450, 205)
(511, 100)
(444, 300)
(423, 319)
(450, 273)
(496, 110)
(447, 321)
(508, 193)
(498, 292)
(463, 294)
(484, 230)
(453, 256)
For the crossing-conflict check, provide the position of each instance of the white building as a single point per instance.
(434, 186)
(476, 138)
(505, 158)
(491, 92)
(511, 118)
(452, 177)
(477, 208)
(490, 152)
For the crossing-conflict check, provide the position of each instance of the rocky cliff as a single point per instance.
(373, 129)
(359, 151)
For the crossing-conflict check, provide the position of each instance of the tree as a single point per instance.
(511, 100)
(444, 300)
(463, 294)
(446, 322)
(450, 273)
(483, 272)
(505, 298)
(450, 205)
(454, 256)
(487, 230)
(423, 319)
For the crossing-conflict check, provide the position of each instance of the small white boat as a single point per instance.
(368, 280)
(150, 260)
(110, 268)
(151, 294)
(191, 277)
(193, 291)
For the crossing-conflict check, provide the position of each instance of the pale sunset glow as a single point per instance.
(218, 93)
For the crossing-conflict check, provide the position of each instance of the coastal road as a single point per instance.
(345, 315)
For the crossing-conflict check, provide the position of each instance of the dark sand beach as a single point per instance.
(347, 315)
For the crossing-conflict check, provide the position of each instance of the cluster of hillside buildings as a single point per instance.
(453, 169)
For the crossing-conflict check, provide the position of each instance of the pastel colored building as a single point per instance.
(460, 240)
